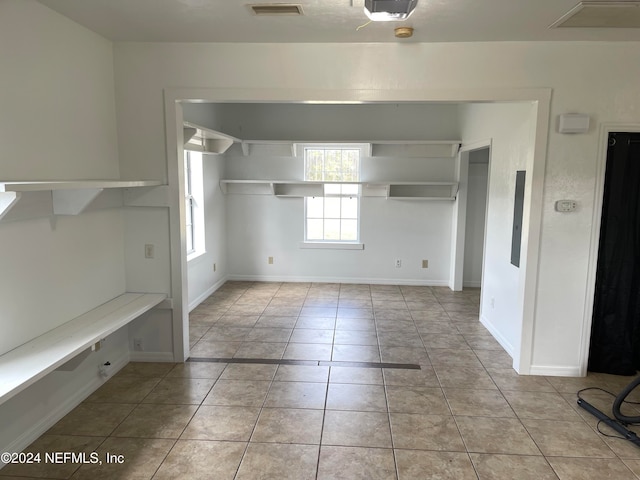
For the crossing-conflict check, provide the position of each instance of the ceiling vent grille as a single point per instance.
(601, 15)
(264, 9)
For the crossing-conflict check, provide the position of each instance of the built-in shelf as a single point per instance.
(389, 190)
(66, 197)
(200, 139)
(26, 364)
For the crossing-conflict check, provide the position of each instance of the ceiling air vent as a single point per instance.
(601, 15)
(263, 9)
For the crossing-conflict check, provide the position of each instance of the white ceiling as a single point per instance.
(328, 21)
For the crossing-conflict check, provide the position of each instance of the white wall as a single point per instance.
(597, 78)
(509, 126)
(475, 216)
(57, 121)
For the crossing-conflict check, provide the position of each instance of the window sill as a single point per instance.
(333, 245)
(195, 255)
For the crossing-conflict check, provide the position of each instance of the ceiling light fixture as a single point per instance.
(389, 10)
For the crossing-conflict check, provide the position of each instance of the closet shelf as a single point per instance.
(388, 190)
(68, 197)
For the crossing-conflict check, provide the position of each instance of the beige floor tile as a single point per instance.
(428, 328)
(591, 469)
(180, 391)
(248, 371)
(425, 377)
(156, 421)
(249, 309)
(191, 459)
(355, 337)
(319, 311)
(51, 444)
(238, 320)
(461, 376)
(146, 369)
(269, 334)
(446, 341)
(494, 358)
(363, 398)
(288, 425)
(92, 419)
(296, 395)
(260, 350)
(309, 335)
(508, 379)
(482, 342)
(268, 321)
(405, 355)
(426, 465)
(307, 351)
(364, 302)
(474, 402)
(214, 349)
(124, 389)
(356, 429)
(242, 393)
(414, 399)
(400, 339)
(446, 357)
(276, 461)
(197, 370)
(566, 439)
(363, 376)
(142, 457)
(222, 423)
(540, 405)
(355, 324)
(356, 353)
(425, 432)
(302, 373)
(226, 334)
(315, 322)
(496, 435)
(356, 463)
(634, 466)
(512, 467)
(282, 310)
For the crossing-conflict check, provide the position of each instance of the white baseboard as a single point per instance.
(162, 357)
(363, 280)
(553, 371)
(201, 298)
(497, 335)
(71, 402)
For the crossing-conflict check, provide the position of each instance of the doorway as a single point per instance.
(615, 328)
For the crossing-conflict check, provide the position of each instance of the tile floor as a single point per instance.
(315, 413)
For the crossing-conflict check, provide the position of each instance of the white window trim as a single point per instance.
(197, 193)
(365, 151)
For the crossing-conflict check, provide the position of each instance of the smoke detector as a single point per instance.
(389, 10)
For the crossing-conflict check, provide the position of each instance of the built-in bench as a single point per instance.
(28, 363)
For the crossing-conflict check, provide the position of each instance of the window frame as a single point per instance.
(364, 151)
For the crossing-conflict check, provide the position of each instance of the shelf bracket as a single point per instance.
(8, 200)
(73, 202)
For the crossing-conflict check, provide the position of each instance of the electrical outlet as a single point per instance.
(425, 263)
(149, 250)
(398, 263)
(270, 260)
(137, 344)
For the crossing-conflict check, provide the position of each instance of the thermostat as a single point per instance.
(566, 206)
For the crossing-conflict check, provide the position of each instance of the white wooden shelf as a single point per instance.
(28, 363)
(201, 139)
(67, 197)
(389, 190)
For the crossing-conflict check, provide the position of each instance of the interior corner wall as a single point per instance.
(57, 122)
(202, 279)
(509, 126)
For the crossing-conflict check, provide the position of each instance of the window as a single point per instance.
(333, 217)
(194, 204)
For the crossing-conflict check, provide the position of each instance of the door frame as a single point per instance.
(594, 241)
